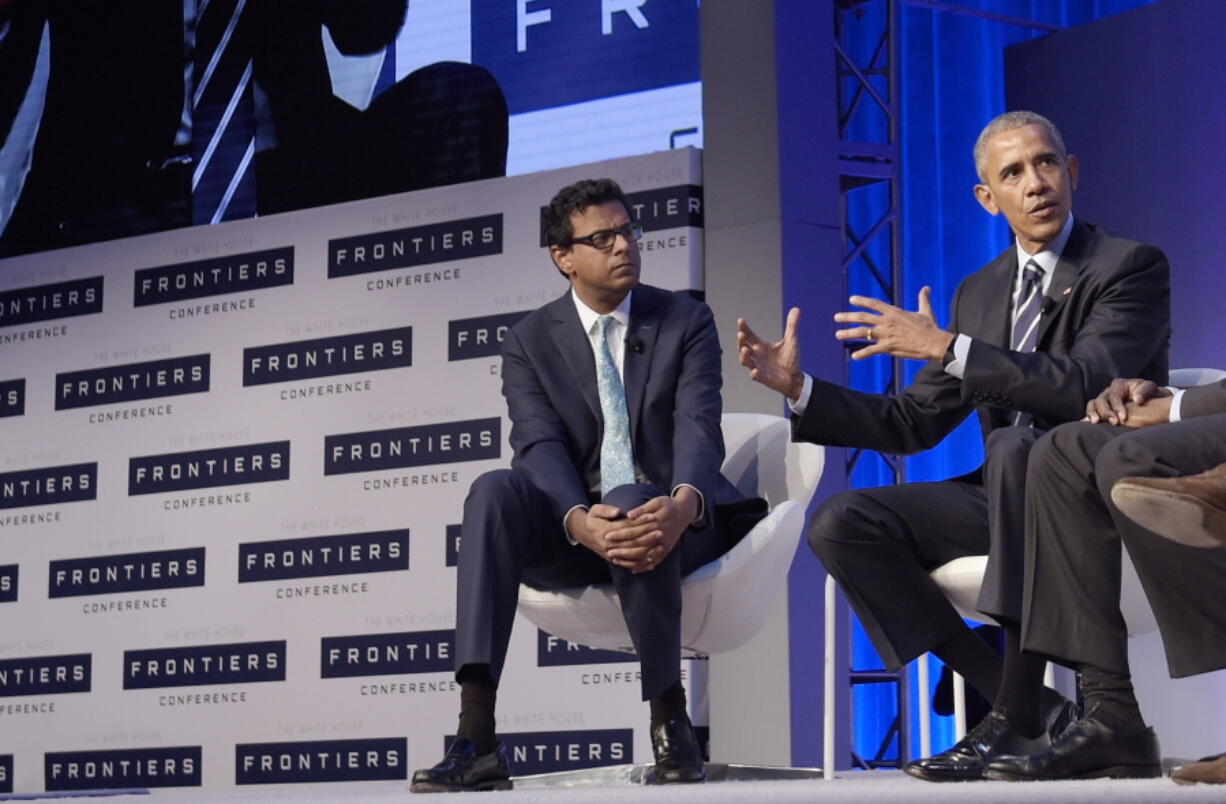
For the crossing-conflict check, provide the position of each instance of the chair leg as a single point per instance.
(925, 707)
(828, 682)
(959, 707)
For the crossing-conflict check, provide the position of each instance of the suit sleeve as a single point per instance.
(909, 422)
(21, 28)
(1125, 329)
(538, 436)
(698, 442)
(1204, 400)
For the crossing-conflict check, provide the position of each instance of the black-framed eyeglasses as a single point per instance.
(604, 239)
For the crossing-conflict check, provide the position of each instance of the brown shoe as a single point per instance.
(1190, 510)
(1211, 771)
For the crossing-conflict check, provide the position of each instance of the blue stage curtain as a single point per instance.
(952, 83)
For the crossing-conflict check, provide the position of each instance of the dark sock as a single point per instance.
(668, 705)
(478, 695)
(1109, 698)
(1020, 683)
(973, 659)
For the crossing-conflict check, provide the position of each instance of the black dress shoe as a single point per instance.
(968, 758)
(678, 758)
(1061, 714)
(1088, 749)
(463, 769)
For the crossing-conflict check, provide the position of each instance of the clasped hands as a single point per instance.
(638, 539)
(888, 329)
(1130, 403)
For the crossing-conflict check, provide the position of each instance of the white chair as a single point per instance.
(725, 602)
(960, 581)
(1188, 377)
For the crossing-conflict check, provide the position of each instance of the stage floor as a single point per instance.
(877, 787)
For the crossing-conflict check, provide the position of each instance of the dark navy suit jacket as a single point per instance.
(1107, 316)
(672, 381)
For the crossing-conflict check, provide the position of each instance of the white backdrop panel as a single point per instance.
(176, 659)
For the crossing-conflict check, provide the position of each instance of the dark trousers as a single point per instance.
(1074, 532)
(880, 544)
(510, 535)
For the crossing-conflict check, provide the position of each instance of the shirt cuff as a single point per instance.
(962, 350)
(802, 401)
(565, 517)
(700, 519)
(1176, 401)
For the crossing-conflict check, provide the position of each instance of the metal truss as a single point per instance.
(869, 116)
(866, 60)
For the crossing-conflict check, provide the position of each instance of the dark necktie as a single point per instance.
(1026, 320)
(223, 116)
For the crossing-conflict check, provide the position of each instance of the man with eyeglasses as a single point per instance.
(613, 391)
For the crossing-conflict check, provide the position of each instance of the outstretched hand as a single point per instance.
(894, 331)
(775, 365)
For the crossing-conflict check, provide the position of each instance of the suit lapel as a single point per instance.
(645, 327)
(576, 350)
(994, 317)
(1067, 268)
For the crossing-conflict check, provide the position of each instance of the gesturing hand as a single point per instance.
(895, 331)
(775, 365)
(1132, 403)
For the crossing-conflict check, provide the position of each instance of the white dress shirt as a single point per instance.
(1047, 258)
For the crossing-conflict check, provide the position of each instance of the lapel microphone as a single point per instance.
(1049, 304)
(634, 343)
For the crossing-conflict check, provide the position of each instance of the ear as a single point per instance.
(561, 258)
(983, 194)
(1073, 170)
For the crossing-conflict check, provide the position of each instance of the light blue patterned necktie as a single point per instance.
(616, 455)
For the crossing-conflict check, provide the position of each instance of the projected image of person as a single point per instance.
(1033, 335)
(613, 391)
(124, 118)
(1141, 472)
(441, 124)
(93, 144)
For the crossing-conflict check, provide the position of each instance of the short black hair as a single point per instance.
(573, 199)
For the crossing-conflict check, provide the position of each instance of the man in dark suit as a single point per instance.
(1034, 334)
(1189, 510)
(1134, 431)
(606, 484)
(100, 170)
(444, 123)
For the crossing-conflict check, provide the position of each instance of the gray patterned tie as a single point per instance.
(616, 455)
(1026, 320)
(223, 115)
(1029, 308)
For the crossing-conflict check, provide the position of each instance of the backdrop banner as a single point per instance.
(232, 465)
